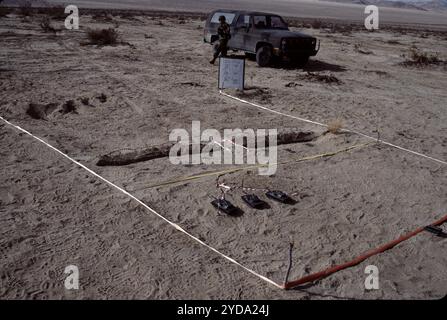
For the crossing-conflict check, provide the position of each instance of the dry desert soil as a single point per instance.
(89, 101)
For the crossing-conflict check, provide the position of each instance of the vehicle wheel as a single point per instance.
(264, 56)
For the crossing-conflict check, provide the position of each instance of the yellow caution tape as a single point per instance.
(221, 172)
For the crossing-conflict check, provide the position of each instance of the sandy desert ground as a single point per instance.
(53, 214)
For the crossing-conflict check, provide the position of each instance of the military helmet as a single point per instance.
(222, 18)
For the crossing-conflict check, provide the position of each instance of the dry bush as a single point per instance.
(85, 101)
(103, 37)
(316, 24)
(423, 57)
(334, 126)
(55, 12)
(127, 15)
(108, 17)
(103, 16)
(46, 25)
(420, 58)
(25, 8)
(339, 28)
(4, 11)
(40, 111)
(102, 98)
(326, 78)
(69, 107)
(393, 42)
(358, 48)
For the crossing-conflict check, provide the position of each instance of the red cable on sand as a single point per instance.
(356, 261)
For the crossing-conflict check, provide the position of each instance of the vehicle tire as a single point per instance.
(264, 56)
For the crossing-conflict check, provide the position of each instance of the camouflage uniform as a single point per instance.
(224, 36)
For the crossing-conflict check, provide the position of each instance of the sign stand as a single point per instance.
(231, 73)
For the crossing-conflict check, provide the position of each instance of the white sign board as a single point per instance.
(231, 73)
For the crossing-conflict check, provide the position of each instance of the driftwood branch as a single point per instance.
(154, 152)
(121, 158)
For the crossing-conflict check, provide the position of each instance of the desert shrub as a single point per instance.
(55, 12)
(358, 48)
(127, 15)
(103, 36)
(420, 58)
(326, 78)
(423, 57)
(68, 107)
(102, 98)
(85, 101)
(4, 11)
(25, 8)
(392, 41)
(46, 26)
(103, 16)
(316, 24)
(334, 126)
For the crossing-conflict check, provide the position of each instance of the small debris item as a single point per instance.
(436, 231)
(224, 206)
(278, 196)
(253, 201)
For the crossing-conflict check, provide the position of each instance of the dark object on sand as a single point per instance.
(129, 156)
(126, 157)
(327, 78)
(253, 201)
(102, 98)
(279, 196)
(68, 107)
(436, 231)
(46, 25)
(224, 206)
(103, 37)
(85, 101)
(40, 111)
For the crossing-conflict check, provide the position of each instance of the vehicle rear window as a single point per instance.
(228, 16)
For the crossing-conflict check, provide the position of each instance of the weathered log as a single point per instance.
(122, 158)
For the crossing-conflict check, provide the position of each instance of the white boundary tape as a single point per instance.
(176, 226)
(323, 125)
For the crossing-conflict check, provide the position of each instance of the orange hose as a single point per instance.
(356, 261)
